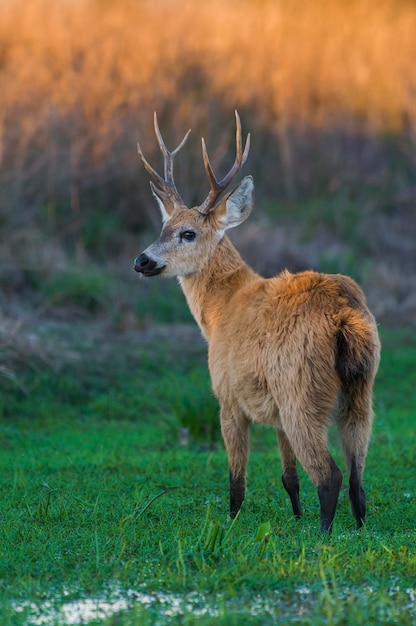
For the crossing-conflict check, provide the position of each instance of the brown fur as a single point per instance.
(294, 352)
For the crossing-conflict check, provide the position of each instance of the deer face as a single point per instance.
(185, 238)
(189, 237)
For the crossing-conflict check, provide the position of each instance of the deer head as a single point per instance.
(190, 235)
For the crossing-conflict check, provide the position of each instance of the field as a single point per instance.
(114, 481)
(114, 514)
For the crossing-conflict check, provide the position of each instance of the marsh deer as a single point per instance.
(294, 351)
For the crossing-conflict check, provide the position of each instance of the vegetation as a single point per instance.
(113, 475)
(108, 513)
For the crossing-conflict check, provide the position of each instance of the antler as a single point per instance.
(166, 189)
(218, 187)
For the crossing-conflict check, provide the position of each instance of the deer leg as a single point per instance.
(354, 424)
(290, 477)
(237, 492)
(307, 436)
(234, 429)
(356, 492)
(328, 492)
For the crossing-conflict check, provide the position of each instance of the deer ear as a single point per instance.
(165, 205)
(236, 207)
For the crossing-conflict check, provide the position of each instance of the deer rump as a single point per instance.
(303, 337)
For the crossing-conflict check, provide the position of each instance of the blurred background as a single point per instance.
(326, 88)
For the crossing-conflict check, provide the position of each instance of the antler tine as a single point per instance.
(149, 169)
(217, 187)
(167, 155)
(166, 184)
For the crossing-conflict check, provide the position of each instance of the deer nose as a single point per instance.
(144, 264)
(141, 262)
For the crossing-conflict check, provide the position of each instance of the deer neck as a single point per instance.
(209, 290)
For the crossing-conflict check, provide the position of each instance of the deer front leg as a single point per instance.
(234, 429)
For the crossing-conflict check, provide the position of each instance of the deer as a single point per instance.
(295, 351)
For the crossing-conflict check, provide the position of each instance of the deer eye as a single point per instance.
(188, 235)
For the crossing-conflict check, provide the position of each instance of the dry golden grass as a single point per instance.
(291, 58)
(80, 79)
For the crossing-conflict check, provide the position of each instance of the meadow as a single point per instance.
(110, 516)
(114, 481)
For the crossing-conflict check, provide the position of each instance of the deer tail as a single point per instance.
(357, 346)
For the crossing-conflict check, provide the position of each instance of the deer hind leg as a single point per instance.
(354, 422)
(290, 477)
(234, 429)
(307, 434)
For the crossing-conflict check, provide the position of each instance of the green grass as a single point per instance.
(104, 511)
(161, 302)
(89, 290)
